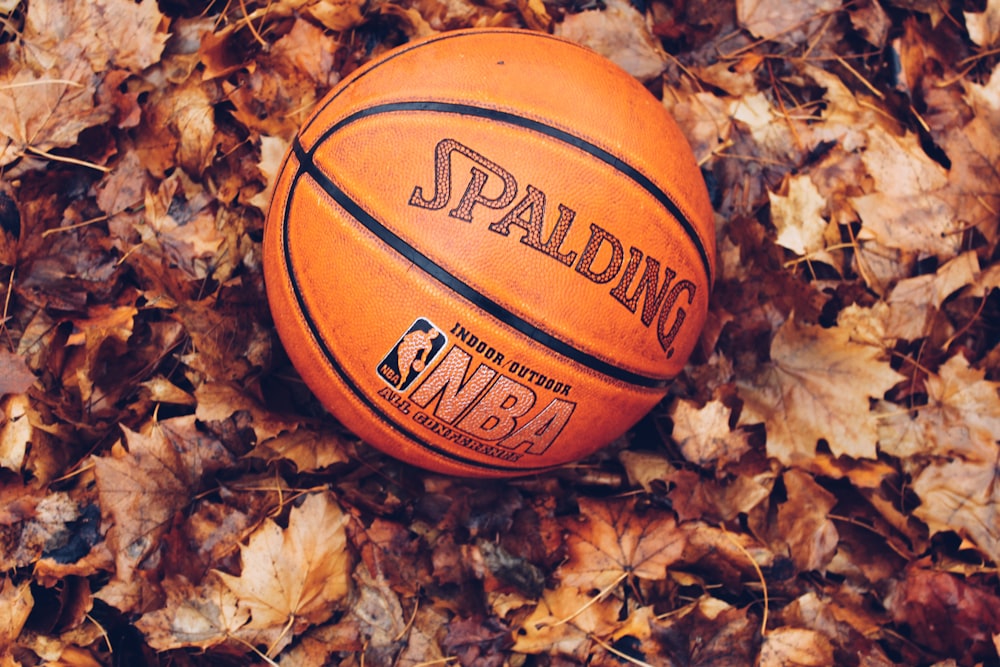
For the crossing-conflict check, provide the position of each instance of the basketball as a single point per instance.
(488, 252)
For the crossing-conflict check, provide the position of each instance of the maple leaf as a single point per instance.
(200, 616)
(564, 621)
(961, 417)
(379, 615)
(910, 207)
(141, 488)
(962, 496)
(804, 523)
(610, 541)
(42, 111)
(15, 431)
(293, 577)
(131, 34)
(703, 434)
(16, 602)
(817, 386)
(984, 27)
(946, 613)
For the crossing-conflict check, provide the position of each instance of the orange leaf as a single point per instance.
(611, 541)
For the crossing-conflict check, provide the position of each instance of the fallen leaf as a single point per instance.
(107, 33)
(795, 647)
(564, 621)
(293, 577)
(910, 207)
(200, 616)
(945, 613)
(611, 541)
(961, 417)
(703, 434)
(15, 376)
(817, 386)
(798, 216)
(46, 110)
(774, 19)
(984, 26)
(146, 479)
(16, 603)
(962, 496)
(619, 33)
(804, 523)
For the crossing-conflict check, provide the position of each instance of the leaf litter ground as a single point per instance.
(819, 488)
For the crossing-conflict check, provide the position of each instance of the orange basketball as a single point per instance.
(488, 252)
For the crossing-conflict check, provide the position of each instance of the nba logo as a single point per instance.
(411, 354)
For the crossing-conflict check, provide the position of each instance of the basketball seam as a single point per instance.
(404, 49)
(543, 127)
(305, 316)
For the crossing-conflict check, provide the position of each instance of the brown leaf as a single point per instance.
(703, 434)
(963, 496)
(293, 577)
(564, 621)
(774, 19)
(961, 417)
(804, 523)
(107, 33)
(141, 488)
(795, 647)
(946, 613)
(194, 616)
(15, 376)
(619, 33)
(610, 541)
(16, 602)
(817, 386)
(46, 110)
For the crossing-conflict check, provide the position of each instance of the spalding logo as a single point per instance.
(411, 355)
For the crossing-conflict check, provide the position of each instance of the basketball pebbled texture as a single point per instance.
(488, 252)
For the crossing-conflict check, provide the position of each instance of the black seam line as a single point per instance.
(408, 48)
(335, 364)
(580, 143)
(465, 290)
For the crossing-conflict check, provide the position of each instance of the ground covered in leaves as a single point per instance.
(820, 487)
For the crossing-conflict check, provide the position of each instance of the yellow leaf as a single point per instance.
(293, 577)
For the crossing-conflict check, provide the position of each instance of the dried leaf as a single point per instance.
(619, 33)
(564, 621)
(15, 376)
(703, 434)
(817, 387)
(946, 613)
(295, 576)
(610, 541)
(774, 19)
(795, 647)
(194, 616)
(799, 216)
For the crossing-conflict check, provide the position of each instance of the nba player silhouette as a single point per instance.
(410, 347)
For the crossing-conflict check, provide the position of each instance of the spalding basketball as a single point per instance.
(489, 252)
